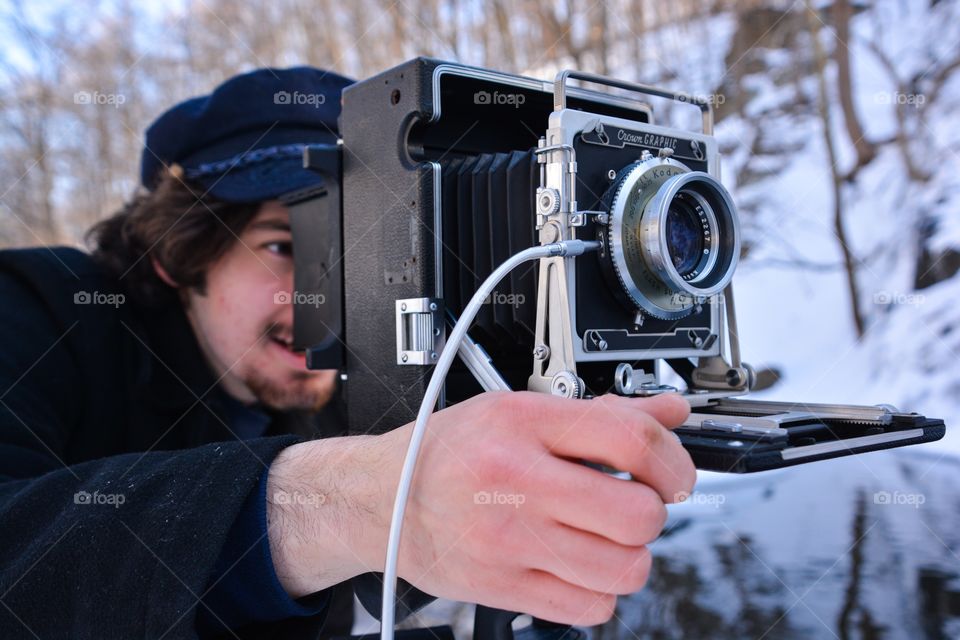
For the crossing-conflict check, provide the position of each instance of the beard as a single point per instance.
(294, 389)
(301, 390)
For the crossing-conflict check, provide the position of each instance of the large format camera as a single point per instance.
(445, 171)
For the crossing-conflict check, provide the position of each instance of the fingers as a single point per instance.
(669, 409)
(543, 595)
(623, 433)
(588, 560)
(628, 513)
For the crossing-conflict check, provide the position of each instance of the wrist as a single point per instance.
(328, 510)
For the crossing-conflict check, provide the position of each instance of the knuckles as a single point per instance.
(642, 521)
(639, 572)
(496, 465)
(514, 405)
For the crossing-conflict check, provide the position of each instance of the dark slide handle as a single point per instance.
(492, 624)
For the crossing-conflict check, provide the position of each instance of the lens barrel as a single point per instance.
(673, 237)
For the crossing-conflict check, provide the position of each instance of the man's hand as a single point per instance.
(501, 511)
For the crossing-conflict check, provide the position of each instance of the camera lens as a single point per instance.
(691, 235)
(687, 235)
(673, 237)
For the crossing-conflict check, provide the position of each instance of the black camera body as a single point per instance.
(447, 170)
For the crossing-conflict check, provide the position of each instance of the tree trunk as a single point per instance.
(866, 151)
(849, 261)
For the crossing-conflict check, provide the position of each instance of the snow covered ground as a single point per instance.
(799, 320)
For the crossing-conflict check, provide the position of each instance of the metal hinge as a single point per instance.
(420, 334)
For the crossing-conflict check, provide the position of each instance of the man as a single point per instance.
(168, 468)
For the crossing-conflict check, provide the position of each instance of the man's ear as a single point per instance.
(162, 273)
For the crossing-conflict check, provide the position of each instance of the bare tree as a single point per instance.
(866, 150)
(849, 262)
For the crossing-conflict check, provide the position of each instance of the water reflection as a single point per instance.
(858, 548)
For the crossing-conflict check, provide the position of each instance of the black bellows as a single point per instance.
(488, 215)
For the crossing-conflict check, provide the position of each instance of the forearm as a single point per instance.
(327, 511)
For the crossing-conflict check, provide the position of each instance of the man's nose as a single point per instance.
(284, 298)
(287, 282)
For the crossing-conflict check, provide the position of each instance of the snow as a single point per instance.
(800, 320)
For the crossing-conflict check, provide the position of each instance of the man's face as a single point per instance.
(244, 321)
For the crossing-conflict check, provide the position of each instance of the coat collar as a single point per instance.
(175, 391)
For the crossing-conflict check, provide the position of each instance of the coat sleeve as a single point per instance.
(121, 546)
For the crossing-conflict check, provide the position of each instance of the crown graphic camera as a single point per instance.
(445, 171)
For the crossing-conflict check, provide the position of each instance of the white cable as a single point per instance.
(565, 248)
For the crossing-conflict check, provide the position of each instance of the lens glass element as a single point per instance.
(686, 240)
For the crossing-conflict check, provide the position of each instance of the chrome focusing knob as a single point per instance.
(566, 384)
(548, 202)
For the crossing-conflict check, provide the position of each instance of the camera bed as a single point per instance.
(734, 435)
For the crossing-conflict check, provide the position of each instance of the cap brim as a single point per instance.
(268, 180)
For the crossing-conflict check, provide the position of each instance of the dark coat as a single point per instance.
(119, 478)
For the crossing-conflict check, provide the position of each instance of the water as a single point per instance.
(863, 547)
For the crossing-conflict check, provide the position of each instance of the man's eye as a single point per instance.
(280, 248)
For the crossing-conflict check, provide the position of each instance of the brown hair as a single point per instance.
(177, 224)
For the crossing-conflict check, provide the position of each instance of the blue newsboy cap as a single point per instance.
(244, 142)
